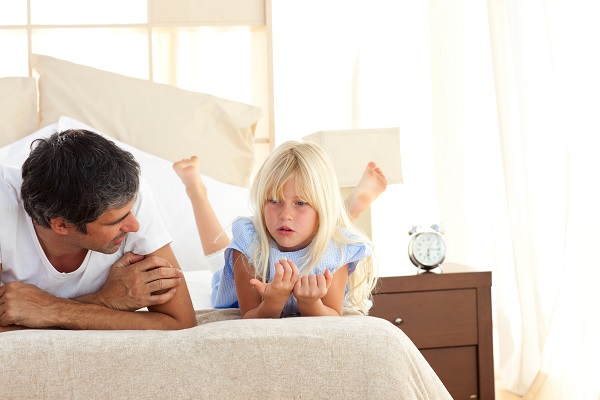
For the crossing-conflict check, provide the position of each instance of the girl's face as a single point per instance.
(291, 221)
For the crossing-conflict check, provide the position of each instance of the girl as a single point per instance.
(300, 253)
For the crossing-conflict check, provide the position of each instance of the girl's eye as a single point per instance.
(301, 203)
(271, 201)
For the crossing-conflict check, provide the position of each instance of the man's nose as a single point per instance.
(131, 224)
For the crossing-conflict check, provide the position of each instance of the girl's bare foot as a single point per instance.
(371, 185)
(189, 173)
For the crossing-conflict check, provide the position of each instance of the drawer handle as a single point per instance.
(398, 321)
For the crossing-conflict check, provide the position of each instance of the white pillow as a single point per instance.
(200, 288)
(18, 108)
(15, 153)
(228, 201)
(159, 119)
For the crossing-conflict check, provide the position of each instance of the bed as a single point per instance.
(349, 357)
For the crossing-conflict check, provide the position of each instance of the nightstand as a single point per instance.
(448, 316)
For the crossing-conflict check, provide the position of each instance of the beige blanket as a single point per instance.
(224, 357)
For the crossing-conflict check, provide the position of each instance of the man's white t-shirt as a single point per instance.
(23, 259)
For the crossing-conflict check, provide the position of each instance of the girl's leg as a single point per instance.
(370, 186)
(212, 235)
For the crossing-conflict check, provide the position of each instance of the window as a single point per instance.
(222, 52)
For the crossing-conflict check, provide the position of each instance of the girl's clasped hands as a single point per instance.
(287, 280)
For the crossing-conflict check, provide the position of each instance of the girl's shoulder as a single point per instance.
(243, 233)
(356, 243)
(241, 225)
(354, 236)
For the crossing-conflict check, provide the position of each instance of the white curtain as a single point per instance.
(547, 88)
(506, 109)
(526, 177)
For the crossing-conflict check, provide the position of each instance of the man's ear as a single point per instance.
(60, 226)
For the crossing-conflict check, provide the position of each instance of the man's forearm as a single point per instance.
(28, 306)
(12, 328)
(130, 286)
(91, 298)
(72, 314)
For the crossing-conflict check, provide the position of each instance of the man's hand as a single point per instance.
(135, 282)
(25, 305)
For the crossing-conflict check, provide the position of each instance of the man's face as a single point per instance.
(106, 234)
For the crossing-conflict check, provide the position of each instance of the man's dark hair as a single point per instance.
(77, 175)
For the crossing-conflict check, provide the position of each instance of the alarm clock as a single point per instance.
(426, 247)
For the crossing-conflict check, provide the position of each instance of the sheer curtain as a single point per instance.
(547, 90)
(351, 64)
(499, 128)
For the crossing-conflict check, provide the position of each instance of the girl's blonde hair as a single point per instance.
(316, 183)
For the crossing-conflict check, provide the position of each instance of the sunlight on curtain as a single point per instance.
(180, 56)
(534, 159)
(362, 64)
(467, 153)
(539, 222)
(13, 12)
(14, 42)
(572, 349)
(77, 12)
(509, 127)
(13, 46)
(119, 50)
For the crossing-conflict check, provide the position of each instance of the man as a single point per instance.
(72, 252)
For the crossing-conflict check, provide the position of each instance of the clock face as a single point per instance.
(427, 249)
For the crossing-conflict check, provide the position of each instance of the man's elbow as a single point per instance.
(186, 322)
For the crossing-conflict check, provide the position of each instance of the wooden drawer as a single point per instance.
(448, 316)
(432, 319)
(457, 369)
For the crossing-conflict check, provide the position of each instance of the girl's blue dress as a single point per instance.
(223, 285)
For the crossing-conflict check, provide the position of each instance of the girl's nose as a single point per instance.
(285, 213)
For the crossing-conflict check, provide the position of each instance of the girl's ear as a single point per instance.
(60, 226)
